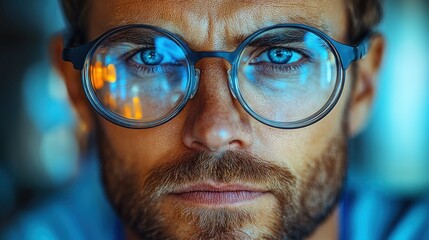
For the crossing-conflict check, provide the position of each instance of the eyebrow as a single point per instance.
(278, 38)
(138, 38)
(312, 22)
(284, 38)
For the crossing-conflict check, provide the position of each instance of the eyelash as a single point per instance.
(143, 69)
(270, 67)
(139, 69)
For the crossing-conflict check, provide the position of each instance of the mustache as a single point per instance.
(227, 167)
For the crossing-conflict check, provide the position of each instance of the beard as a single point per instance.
(301, 203)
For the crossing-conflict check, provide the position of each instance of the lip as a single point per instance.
(211, 194)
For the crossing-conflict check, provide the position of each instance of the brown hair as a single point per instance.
(364, 16)
(75, 12)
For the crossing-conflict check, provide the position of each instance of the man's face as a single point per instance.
(213, 171)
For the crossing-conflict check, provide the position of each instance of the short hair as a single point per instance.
(364, 16)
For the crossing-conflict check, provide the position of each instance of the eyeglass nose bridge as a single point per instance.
(229, 56)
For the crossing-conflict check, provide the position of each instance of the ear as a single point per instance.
(363, 92)
(73, 82)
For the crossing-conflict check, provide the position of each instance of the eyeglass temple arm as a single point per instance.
(349, 54)
(75, 54)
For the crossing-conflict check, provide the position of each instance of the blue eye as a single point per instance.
(278, 55)
(148, 57)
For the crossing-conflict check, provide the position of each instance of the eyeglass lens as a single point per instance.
(139, 74)
(287, 74)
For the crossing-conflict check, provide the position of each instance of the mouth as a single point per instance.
(213, 194)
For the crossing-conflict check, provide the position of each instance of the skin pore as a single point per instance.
(295, 176)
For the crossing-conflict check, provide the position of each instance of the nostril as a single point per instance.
(235, 143)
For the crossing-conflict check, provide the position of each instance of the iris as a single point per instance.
(280, 55)
(148, 57)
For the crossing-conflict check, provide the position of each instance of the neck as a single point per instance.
(327, 230)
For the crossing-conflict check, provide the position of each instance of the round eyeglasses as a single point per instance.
(286, 76)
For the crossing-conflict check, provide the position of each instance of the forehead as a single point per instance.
(205, 23)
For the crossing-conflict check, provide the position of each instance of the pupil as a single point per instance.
(280, 55)
(150, 57)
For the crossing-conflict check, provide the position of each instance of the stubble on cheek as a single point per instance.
(321, 187)
(299, 203)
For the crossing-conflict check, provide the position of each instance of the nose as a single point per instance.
(215, 120)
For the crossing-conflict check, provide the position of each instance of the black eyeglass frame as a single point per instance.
(345, 54)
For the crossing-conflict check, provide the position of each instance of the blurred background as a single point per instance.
(50, 190)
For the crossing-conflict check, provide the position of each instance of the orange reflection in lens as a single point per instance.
(97, 75)
(110, 73)
(138, 114)
(127, 111)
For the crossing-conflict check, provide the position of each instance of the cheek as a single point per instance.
(295, 148)
(142, 150)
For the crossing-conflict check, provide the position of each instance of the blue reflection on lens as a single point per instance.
(108, 60)
(321, 54)
(248, 72)
(316, 45)
(280, 84)
(304, 73)
(123, 88)
(169, 49)
(162, 88)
